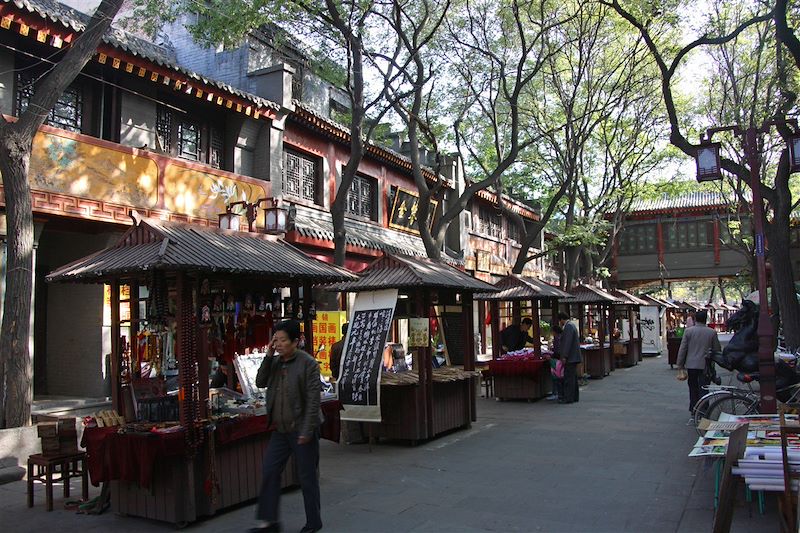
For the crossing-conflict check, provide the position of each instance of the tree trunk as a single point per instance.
(15, 331)
(16, 141)
(783, 282)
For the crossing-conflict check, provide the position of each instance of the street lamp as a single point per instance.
(275, 216)
(709, 168)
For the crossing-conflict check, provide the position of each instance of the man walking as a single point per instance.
(570, 353)
(291, 377)
(695, 345)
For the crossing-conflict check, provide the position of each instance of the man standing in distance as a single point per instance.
(515, 336)
(696, 342)
(570, 353)
(336, 353)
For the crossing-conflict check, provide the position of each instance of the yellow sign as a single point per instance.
(327, 329)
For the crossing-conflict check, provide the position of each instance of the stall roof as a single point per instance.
(515, 287)
(652, 300)
(400, 271)
(627, 298)
(586, 294)
(176, 246)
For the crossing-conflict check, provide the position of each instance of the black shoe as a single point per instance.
(274, 527)
(307, 529)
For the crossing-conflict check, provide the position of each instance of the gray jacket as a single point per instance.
(303, 387)
(697, 341)
(569, 344)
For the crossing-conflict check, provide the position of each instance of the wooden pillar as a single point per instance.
(497, 344)
(660, 242)
(482, 325)
(515, 313)
(469, 334)
(180, 334)
(426, 365)
(469, 346)
(601, 326)
(116, 350)
(537, 330)
(202, 361)
(582, 326)
(630, 322)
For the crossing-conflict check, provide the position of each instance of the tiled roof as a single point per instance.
(175, 246)
(682, 201)
(135, 46)
(627, 298)
(402, 272)
(586, 294)
(318, 224)
(515, 287)
(304, 113)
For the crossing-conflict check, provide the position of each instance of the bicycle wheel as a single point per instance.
(702, 405)
(733, 405)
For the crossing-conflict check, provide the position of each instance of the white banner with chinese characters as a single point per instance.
(358, 387)
(649, 318)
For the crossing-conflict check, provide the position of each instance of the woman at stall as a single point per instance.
(291, 377)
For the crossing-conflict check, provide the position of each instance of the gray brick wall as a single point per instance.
(137, 121)
(76, 340)
(6, 83)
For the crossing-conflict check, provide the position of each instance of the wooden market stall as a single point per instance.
(424, 401)
(181, 296)
(594, 308)
(526, 376)
(627, 347)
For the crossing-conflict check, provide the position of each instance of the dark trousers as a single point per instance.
(697, 380)
(571, 382)
(306, 456)
(558, 387)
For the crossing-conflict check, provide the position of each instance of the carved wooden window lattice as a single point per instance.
(66, 114)
(300, 176)
(361, 198)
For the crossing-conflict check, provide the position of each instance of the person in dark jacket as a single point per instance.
(336, 353)
(515, 336)
(570, 353)
(291, 377)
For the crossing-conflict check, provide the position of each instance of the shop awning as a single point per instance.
(627, 298)
(586, 294)
(175, 246)
(514, 287)
(399, 272)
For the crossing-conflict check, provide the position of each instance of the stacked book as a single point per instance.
(59, 437)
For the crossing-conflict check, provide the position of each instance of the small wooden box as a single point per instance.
(47, 429)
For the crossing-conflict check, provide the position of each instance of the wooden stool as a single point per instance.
(65, 465)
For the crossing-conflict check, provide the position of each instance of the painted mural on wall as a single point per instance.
(65, 164)
(68, 166)
(191, 191)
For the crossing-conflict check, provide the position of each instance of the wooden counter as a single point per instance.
(627, 353)
(406, 417)
(597, 361)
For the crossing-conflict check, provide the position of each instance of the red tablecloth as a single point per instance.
(131, 456)
(516, 367)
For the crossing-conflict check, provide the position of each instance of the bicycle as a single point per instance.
(749, 403)
(715, 392)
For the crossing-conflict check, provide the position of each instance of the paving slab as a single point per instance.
(614, 462)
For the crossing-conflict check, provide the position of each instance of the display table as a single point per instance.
(597, 360)
(405, 414)
(520, 379)
(627, 353)
(152, 475)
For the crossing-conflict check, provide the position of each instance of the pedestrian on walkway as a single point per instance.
(697, 341)
(556, 366)
(293, 387)
(570, 353)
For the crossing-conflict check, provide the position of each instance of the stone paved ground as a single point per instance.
(616, 461)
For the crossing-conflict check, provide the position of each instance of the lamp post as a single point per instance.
(275, 215)
(709, 168)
